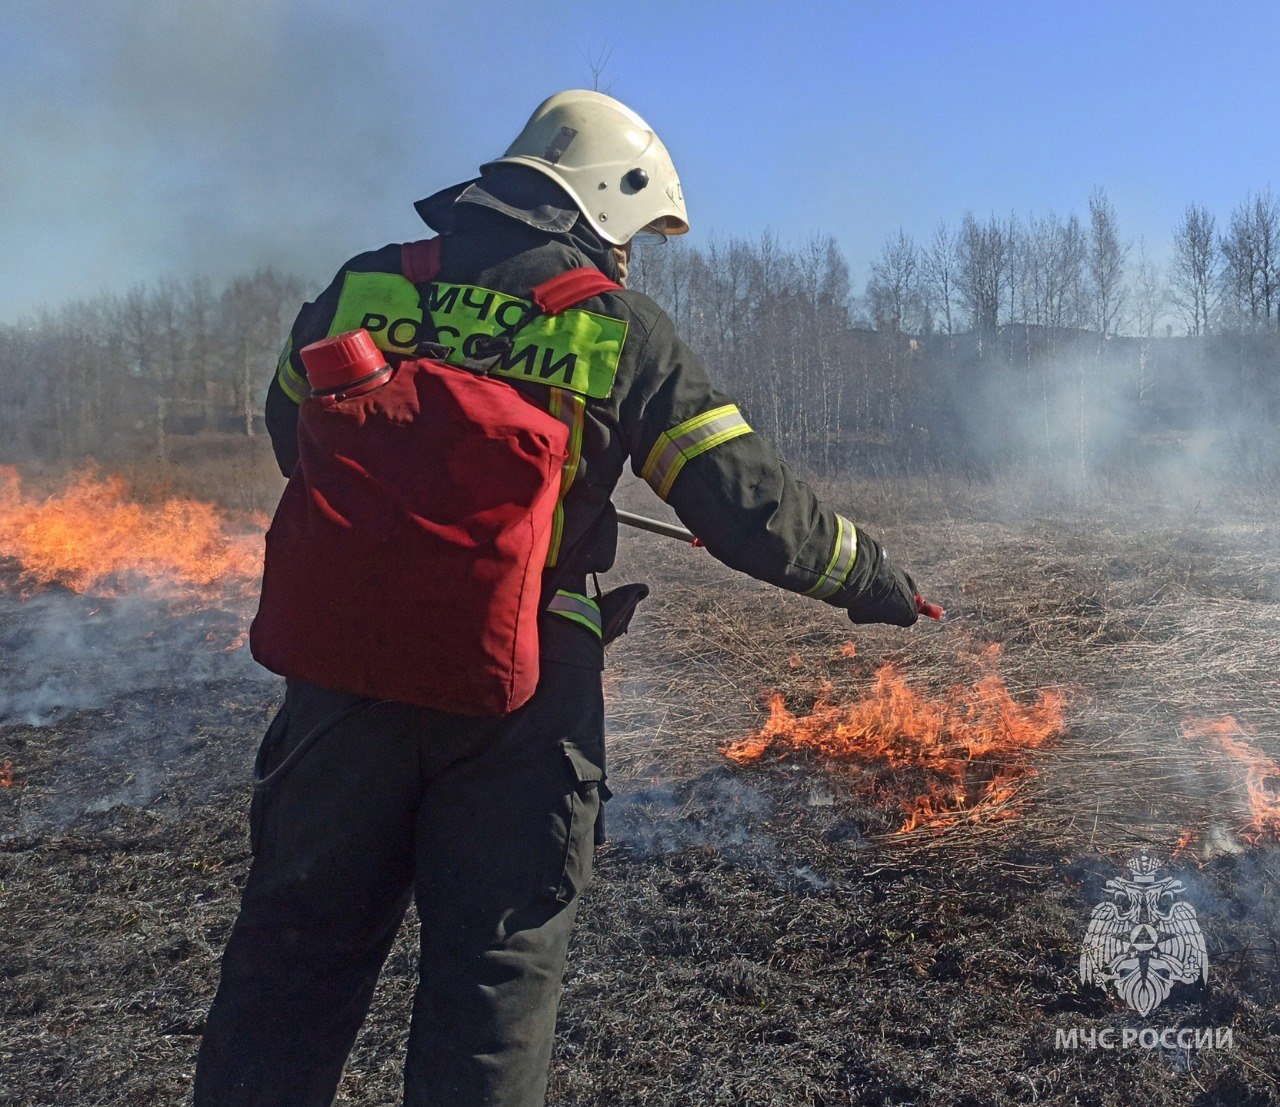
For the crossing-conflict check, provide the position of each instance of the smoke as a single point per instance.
(1073, 421)
(104, 700)
(64, 652)
(716, 813)
(201, 138)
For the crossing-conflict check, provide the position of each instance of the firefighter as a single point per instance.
(487, 824)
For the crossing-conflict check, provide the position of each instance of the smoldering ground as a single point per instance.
(753, 936)
(65, 652)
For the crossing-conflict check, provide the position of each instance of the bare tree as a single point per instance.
(1028, 273)
(1250, 263)
(1015, 235)
(1148, 293)
(1105, 264)
(1053, 271)
(137, 317)
(824, 330)
(938, 275)
(893, 289)
(983, 258)
(1193, 272)
(772, 324)
(1149, 298)
(254, 313)
(199, 324)
(1267, 221)
(597, 63)
(1067, 303)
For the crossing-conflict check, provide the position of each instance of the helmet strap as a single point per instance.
(621, 258)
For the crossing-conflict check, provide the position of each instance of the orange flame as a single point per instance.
(1261, 773)
(91, 536)
(971, 745)
(6, 775)
(1185, 841)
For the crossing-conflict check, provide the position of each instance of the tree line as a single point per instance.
(119, 375)
(996, 341)
(1074, 272)
(1045, 339)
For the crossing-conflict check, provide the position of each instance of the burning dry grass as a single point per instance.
(1241, 755)
(1142, 617)
(970, 746)
(92, 535)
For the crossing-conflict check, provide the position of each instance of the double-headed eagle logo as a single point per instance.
(1143, 939)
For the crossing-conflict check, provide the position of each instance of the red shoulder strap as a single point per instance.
(569, 289)
(420, 261)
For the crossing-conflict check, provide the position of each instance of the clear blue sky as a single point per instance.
(145, 137)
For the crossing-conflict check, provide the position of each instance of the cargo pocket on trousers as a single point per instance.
(588, 792)
(262, 806)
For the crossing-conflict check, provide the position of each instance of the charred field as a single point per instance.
(760, 931)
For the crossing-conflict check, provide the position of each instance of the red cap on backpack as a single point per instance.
(342, 360)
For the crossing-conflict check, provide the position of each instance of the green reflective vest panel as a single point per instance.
(576, 350)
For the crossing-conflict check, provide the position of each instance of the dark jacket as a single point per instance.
(649, 403)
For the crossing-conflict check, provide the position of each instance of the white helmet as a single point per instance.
(607, 159)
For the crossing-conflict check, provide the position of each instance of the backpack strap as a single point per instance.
(420, 261)
(567, 290)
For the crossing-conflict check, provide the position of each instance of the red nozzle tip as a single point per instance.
(928, 610)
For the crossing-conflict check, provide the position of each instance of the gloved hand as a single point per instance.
(885, 593)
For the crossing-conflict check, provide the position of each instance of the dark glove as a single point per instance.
(616, 608)
(884, 593)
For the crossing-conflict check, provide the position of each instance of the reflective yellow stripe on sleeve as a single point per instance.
(841, 564)
(295, 387)
(571, 410)
(579, 609)
(685, 442)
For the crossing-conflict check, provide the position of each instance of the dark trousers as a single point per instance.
(487, 823)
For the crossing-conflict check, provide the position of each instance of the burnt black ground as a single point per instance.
(776, 961)
(748, 940)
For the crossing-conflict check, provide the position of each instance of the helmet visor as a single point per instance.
(655, 234)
